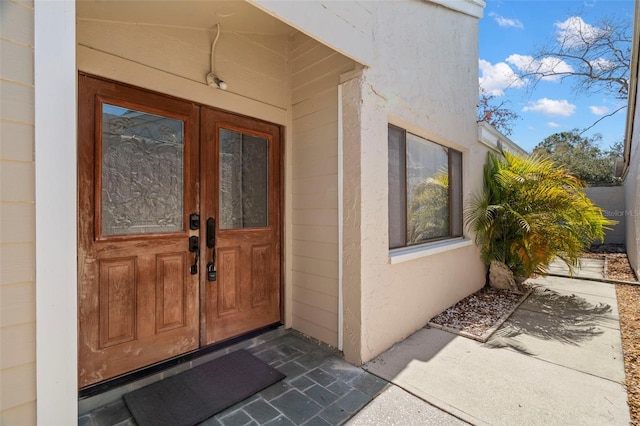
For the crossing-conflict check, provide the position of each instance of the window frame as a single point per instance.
(455, 168)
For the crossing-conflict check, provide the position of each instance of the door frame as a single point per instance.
(56, 188)
(198, 151)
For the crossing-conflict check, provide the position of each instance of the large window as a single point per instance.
(425, 190)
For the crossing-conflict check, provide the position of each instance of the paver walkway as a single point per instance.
(321, 388)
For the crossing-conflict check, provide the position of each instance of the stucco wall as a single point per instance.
(17, 216)
(425, 80)
(632, 200)
(611, 200)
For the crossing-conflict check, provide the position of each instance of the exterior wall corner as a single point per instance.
(352, 236)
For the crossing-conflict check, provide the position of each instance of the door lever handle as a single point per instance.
(194, 247)
(211, 243)
(211, 232)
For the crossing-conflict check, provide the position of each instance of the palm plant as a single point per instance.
(531, 211)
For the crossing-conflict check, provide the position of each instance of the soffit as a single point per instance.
(233, 15)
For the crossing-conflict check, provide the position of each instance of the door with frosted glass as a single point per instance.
(241, 205)
(179, 227)
(137, 261)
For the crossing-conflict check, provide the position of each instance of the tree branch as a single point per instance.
(602, 118)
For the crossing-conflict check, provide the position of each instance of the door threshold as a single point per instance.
(100, 394)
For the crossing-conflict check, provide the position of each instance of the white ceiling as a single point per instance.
(233, 15)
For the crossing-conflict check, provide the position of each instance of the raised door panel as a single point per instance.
(138, 172)
(117, 295)
(171, 291)
(241, 191)
(229, 285)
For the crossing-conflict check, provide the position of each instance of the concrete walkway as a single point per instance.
(556, 361)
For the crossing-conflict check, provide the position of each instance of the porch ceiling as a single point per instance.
(233, 15)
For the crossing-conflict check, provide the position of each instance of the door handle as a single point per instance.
(194, 247)
(211, 243)
(211, 232)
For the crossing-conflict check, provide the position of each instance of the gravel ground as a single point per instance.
(479, 311)
(629, 306)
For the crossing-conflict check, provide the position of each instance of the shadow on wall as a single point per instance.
(549, 315)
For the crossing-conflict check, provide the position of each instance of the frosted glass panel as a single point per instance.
(244, 181)
(142, 172)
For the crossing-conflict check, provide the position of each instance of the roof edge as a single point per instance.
(473, 8)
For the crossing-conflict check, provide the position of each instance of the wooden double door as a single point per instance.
(179, 227)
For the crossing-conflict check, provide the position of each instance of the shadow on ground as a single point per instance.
(549, 315)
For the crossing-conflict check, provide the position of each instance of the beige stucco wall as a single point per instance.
(425, 80)
(632, 200)
(17, 216)
(611, 200)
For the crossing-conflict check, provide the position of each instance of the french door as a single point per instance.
(179, 227)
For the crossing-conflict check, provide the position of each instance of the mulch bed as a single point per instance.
(629, 307)
(478, 315)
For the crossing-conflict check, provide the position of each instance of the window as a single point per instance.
(425, 190)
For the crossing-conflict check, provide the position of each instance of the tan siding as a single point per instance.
(17, 141)
(322, 70)
(253, 66)
(24, 414)
(19, 385)
(12, 68)
(321, 268)
(315, 233)
(315, 200)
(17, 102)
(23, 344)
(17, 23)
(315, 71)
(319, 140)
(316, 217)
(18, 263)
(311, 88)
(317, 283)
(17, 222)
(17, 181)
(17, 306)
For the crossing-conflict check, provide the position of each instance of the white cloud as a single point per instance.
(551, 107)
(494, 79)
(599, 110)
(602, 64)
(552, 124)
(574, 32)
(506, 22)
(546, 65)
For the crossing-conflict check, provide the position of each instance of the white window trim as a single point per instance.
(405, 254)
(426, 244)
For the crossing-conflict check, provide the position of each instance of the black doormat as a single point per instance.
(195, 395)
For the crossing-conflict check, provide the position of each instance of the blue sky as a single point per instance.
(512, 29)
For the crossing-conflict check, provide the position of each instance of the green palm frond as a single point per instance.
(529, 212)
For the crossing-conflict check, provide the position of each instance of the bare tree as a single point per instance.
(597, 58)
(496, 114)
